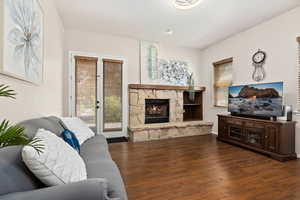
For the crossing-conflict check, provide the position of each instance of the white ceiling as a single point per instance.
(211, 21)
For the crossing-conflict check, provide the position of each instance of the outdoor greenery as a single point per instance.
(113, 109)
(13, 135)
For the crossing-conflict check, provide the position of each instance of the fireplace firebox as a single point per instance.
(157, 111)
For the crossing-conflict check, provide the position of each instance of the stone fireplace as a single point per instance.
(157, 111)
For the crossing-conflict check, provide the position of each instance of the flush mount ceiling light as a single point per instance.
(186, 4)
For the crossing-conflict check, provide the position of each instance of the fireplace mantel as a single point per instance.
(162, 87)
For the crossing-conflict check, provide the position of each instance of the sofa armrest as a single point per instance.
(91, 189)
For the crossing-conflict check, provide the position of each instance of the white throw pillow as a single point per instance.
(79, 128)
(58, 164)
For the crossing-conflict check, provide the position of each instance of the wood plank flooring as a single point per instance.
(202, 168)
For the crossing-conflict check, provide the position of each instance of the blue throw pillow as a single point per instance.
(70, 138)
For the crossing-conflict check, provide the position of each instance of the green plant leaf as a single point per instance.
(6, 92)
(13, 135)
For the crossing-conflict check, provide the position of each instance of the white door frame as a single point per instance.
(71, 95)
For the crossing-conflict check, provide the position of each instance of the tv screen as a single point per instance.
(257, 99)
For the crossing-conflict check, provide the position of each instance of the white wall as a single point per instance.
(278, 38)
(46, 99)
(128, 48)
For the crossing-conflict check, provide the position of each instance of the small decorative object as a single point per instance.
(259, 59)
(191, 83)
(22, 33)
(12, 135)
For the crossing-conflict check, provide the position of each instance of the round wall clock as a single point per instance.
(259, 59)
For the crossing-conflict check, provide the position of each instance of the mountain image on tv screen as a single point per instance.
(257, 99)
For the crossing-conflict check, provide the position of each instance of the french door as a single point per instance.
(98, 93)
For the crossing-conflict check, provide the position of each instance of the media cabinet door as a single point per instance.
(255, 137)
(222, 127)
(271, 138)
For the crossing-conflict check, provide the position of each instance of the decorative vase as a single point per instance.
(192, 96)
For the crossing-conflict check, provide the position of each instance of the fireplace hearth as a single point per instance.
(157, 111)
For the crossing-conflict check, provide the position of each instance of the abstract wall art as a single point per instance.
(21, 31)
(161, 71)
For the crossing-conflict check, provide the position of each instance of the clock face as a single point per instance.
(259, 57)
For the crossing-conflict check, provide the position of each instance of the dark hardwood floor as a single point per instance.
(200, 168)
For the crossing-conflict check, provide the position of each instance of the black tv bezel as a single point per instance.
(257, 116)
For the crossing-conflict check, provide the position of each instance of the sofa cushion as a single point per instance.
(99, 164)
(108, 169)
(70, 138)
(58, 164)
(14, 175)
(95, 149)
(47, 123)
(79, 128)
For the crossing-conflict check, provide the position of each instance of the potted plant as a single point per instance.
(13, 135)
(191, 85)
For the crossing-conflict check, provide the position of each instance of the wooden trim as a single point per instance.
(86, 58)
(163, 87)
(224, 61)
(298, 39)
(112, 129)
(113, 61)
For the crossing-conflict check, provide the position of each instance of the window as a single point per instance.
(298, 40)
(222, 80)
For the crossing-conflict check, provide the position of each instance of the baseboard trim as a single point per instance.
(214, 133)
(116, 140)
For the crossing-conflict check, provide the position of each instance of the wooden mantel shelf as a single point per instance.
(163, 87)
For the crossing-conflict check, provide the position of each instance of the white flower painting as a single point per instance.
(23, 40)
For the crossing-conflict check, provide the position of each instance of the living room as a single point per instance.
(174, 99)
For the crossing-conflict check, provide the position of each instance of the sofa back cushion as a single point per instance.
(14, 175)
(48, 123)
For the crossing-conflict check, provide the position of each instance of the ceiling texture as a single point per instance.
(210, 22)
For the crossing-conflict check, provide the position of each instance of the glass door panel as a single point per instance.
(85, 90)
(112, 95)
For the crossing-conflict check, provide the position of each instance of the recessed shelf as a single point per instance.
(192, 109)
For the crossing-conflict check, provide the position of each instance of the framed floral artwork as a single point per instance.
(22, 39)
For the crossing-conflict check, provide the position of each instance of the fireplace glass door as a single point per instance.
(156, 111)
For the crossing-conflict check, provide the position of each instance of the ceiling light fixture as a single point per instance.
(186, 4)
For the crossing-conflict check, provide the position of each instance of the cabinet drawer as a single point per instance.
(254, 125)
(236, 122)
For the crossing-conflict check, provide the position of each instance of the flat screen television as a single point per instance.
(261, 100)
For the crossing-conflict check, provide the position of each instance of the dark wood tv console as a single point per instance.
(274, 138)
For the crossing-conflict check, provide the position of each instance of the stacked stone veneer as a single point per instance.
(139, 131)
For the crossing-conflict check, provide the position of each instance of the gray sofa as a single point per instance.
(104, 179)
